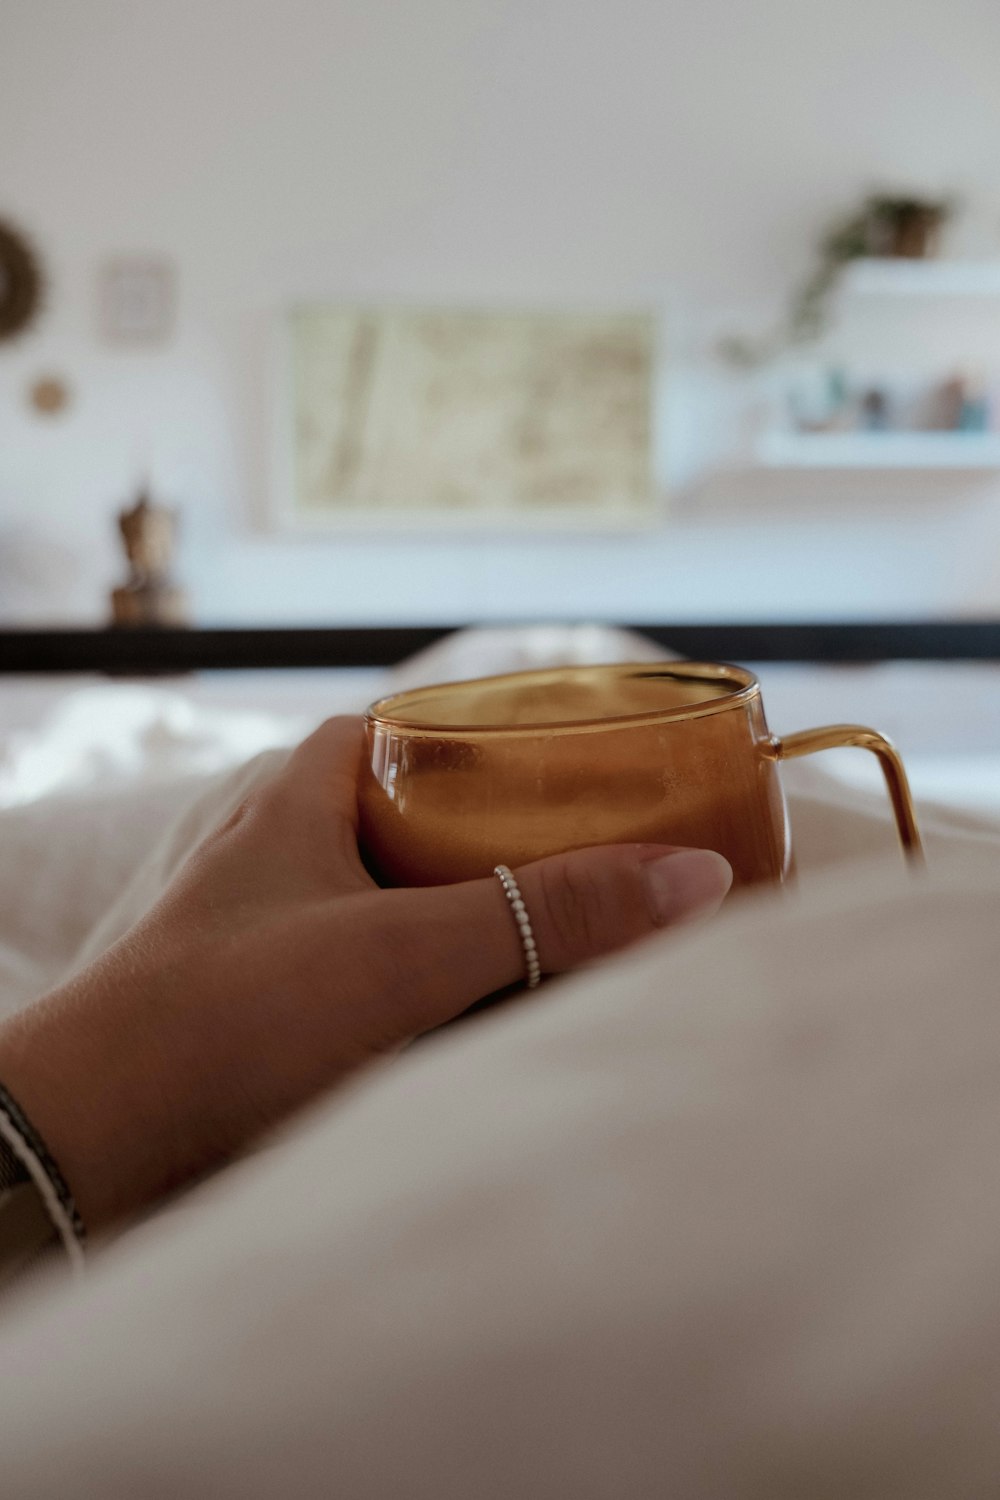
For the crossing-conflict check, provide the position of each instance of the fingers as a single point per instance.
(305, 817)
(592, 901)
(589, 902)
(324, 768)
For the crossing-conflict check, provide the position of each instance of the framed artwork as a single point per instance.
(415, 419)
(137, 300)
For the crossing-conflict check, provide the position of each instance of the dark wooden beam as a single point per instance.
(154, 652)
(140, 651)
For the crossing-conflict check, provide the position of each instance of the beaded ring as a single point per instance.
(512, 891)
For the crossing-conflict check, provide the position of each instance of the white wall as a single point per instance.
(679, 153)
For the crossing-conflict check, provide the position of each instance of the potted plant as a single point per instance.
(885, 225)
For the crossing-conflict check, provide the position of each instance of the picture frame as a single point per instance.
(415, 420)
(137, 300)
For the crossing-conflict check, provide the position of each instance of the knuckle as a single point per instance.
(401, 966)
(575, 910)
(235, 818)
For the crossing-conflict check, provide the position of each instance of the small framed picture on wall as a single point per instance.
(137, 298)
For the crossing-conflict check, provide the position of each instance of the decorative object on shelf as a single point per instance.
(21, 282)
(149, 597)
(961, 404)
(831, 404)
(902, 228)
(886, 226)
(945, 405)
(49, 395)
(974, 411)
(419, 419)
(824, 403)
(874, 410)
(137, 300)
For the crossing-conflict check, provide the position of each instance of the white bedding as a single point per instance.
(716, 1219)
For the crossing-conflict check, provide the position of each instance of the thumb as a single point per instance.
(581, 905)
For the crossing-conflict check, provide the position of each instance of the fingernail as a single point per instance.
(691, 883)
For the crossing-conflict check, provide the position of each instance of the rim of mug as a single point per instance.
(378, 713)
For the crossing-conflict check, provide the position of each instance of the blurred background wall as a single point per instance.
(682, 155)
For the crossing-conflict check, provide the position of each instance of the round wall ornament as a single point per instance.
(20, 282)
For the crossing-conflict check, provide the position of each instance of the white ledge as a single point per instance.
(890, 276)
(879, 450)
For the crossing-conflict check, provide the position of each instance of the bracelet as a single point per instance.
(24, 1142)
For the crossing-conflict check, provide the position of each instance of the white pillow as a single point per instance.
(718, 1218)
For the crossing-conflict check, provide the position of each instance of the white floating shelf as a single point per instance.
(898, 277)
(879, 450)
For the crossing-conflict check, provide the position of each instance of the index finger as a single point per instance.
(326, 765)
(313, 801)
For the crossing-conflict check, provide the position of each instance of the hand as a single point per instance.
(273, 967)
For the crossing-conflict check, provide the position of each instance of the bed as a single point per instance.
(103, 762)
(718, 1218)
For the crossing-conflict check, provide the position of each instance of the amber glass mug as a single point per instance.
(464, 776)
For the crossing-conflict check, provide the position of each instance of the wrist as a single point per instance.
(74, 1074)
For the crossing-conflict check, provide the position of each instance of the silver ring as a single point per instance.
(512, 891)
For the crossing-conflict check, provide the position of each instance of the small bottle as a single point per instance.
(973, 412)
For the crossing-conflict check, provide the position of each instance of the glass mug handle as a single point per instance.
(831, 737)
